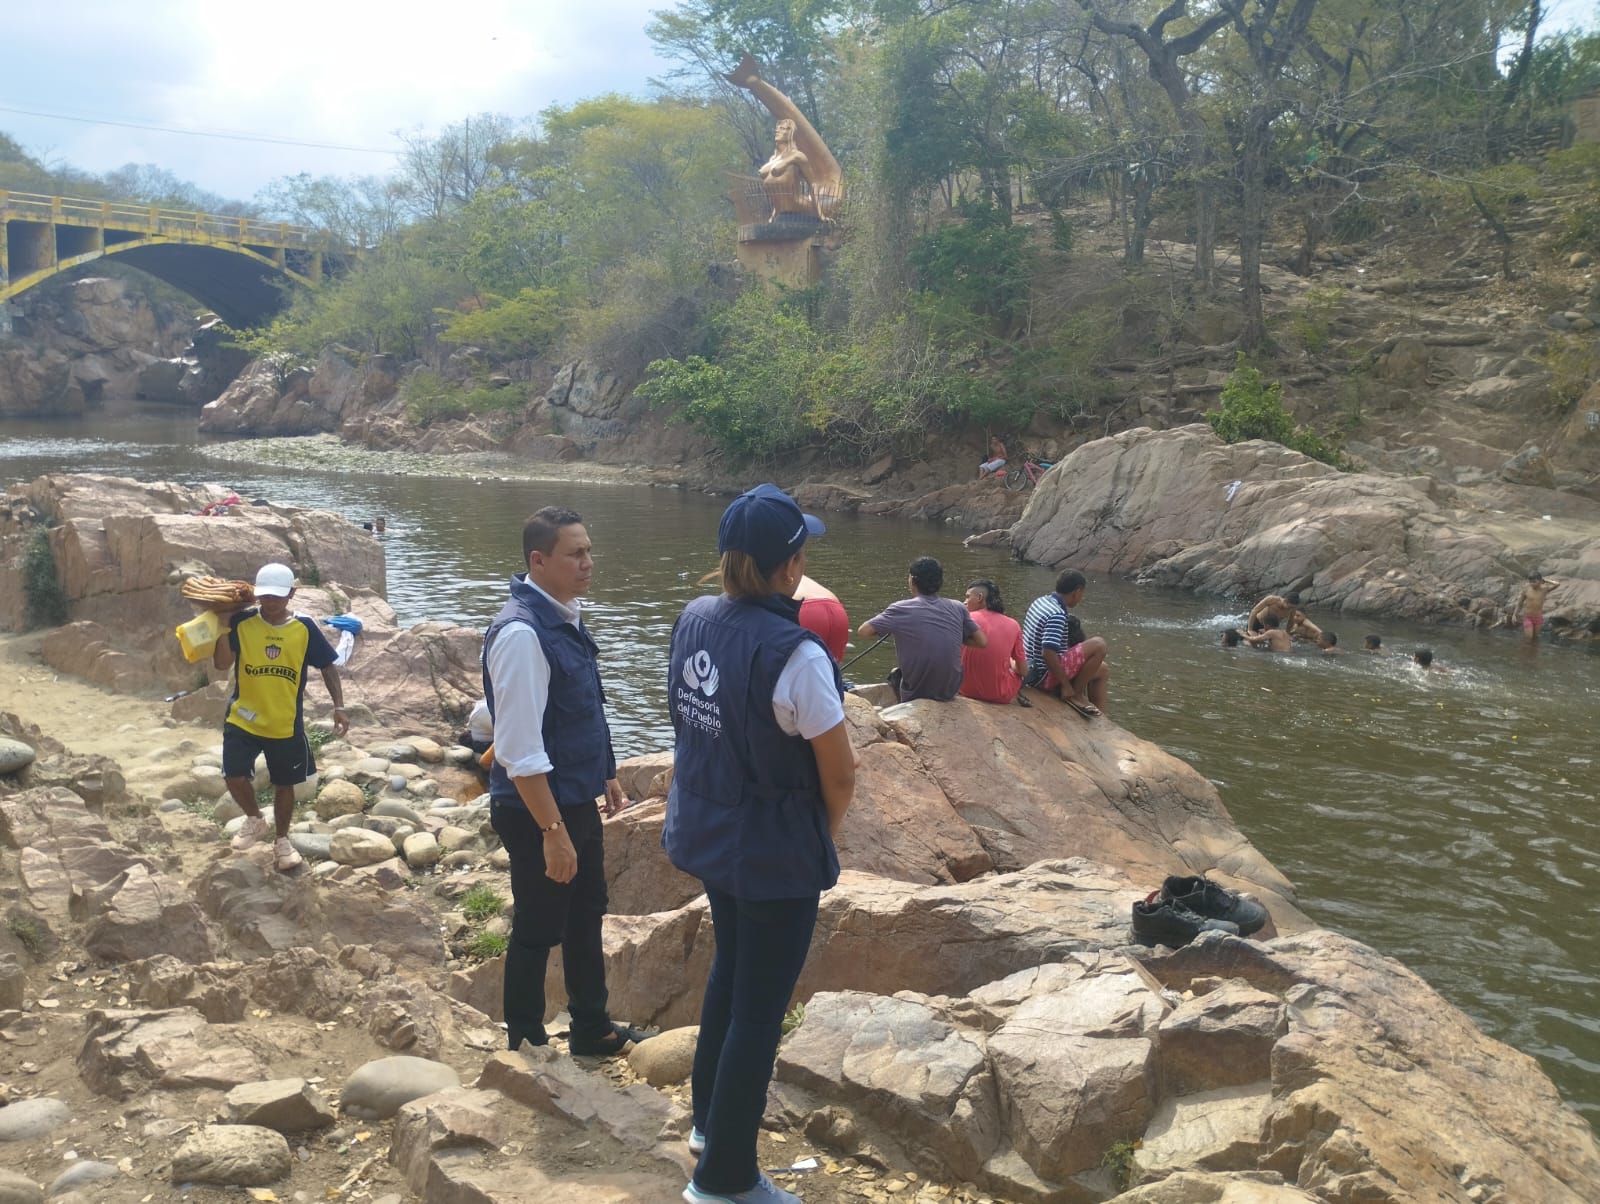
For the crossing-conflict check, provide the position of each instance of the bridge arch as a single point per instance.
(235, 266)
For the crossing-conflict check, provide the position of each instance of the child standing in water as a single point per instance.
(1532, 605)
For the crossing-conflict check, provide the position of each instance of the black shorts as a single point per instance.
(289, 761)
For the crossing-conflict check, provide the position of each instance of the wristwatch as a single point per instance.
(551, 828)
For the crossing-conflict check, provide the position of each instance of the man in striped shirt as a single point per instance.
(1060, 660)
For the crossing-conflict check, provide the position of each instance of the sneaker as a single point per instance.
(613, 1043)
(764, 1192)
(252, 830)
(286, 855)
(1158, 921)
(1205, 898)
(697, 1141)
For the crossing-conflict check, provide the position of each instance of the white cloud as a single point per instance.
(345, 72)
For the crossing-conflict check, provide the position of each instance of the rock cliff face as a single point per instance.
(80, 343)
(1183, 508)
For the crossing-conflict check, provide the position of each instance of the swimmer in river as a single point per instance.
(1273, 638)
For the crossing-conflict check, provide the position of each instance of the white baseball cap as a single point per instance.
(275, 580)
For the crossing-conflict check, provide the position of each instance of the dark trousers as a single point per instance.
(761, 947)
(550, 913)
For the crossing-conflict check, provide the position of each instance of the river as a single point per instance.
(1446, 819)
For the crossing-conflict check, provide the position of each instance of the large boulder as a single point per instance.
(122, 547)
(1329, 1060)
(1162, 505)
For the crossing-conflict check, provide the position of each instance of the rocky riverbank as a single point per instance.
(1183, 508)
(978, 1024)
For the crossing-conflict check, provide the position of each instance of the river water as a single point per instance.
(1447, 819)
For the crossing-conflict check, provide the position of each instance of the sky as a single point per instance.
(348, 73)
(341, 73)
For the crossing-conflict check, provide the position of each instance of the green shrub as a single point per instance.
(523, 325)
(486, 945)
(430, 398)
(793, 1018)
(482, 902)
(1573, 362)
(1310, 323)
(984, 263)
(1579, 230)
(1118, 1163)
(46, 601)
(1252, 408)
(1062, 232)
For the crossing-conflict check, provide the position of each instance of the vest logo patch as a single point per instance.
(699, 673)
(272, 652)
(702, 678)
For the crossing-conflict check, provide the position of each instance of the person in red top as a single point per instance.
(993, 673)
(822, 612)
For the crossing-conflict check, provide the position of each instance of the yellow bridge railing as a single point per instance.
(153, 219)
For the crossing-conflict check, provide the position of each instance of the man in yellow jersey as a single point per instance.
(273, 647)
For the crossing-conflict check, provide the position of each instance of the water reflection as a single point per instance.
(1446, 819)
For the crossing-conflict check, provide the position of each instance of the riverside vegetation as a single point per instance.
(984, 147)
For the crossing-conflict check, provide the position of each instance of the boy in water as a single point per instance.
(1328, 643)
(1532, 605)
(1423, 659)
(1374, 645)
(1273, 638)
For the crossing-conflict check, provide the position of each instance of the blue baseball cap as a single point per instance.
(767, 525)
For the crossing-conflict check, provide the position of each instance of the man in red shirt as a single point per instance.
(992, 673)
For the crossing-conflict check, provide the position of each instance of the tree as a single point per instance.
(1163, 56)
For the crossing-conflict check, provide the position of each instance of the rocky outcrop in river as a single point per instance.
(1183, 508)
(83, 342)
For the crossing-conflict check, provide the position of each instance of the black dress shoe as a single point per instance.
(1158, 921)
(1205, 898)
(611, 1044)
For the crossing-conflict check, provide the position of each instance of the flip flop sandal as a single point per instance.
(1087, 709)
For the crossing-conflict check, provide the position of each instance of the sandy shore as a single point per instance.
(88, 720)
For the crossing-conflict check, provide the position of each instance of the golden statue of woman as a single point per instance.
(802, 176)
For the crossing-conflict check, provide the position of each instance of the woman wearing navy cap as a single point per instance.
(762, 776)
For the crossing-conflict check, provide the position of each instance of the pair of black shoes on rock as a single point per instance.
(1185, 907)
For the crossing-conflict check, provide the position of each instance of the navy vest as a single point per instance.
(745, 813)
(575, 733)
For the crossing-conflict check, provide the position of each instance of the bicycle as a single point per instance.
(1026, 474)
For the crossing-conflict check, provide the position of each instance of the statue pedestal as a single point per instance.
(787, 249)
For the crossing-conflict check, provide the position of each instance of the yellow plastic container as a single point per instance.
(198, 637)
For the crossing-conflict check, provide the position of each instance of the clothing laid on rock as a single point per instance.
(928, 632)
(986, 673)
(541, 684)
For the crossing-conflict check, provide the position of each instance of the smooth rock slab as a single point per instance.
(397, 810)
(232, 1155)
(81, 1174)
(381, 1088)
(15, 755)
(19, 1189)
(31, 1119)
(286, 1105)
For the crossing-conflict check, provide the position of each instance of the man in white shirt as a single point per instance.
(552, 760)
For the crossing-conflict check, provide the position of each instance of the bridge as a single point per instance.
(232, 265)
